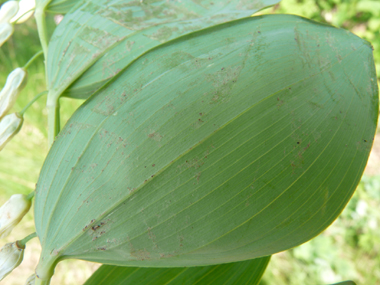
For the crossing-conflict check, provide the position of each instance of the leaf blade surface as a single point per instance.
(247, 272)
(233, 143)
(99, 39)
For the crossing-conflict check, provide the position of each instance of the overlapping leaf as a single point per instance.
(100, 38)
(242, 273)
(62, 6)
(232, 143)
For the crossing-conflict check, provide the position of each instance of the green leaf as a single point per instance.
(62, 6)
(99, 39)
(229, 144)
(345, 283)
(246, 272)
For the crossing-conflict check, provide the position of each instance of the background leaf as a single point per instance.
(62, 6)
(189, 157)
(101, 38)
(246, 272)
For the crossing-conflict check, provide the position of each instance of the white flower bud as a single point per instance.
(12, 212)
(9, 127)
(11, 256)
(16, 81)
(25, 6)
(8, 10)
(31, 280)
(6, 30)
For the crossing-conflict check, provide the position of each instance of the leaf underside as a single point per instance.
(229, 144)
(100, 38)
(62, 6)
(345, 283)
(246, 272)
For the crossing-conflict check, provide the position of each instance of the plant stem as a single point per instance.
(54, 125)
(39, 281)
(23, 242)
(22, 15)
(32, 59)
(31, 102)
(45, 269)
(42, 30)
(52, 104)
(30, 196)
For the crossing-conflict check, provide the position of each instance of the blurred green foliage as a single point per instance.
(349, 249)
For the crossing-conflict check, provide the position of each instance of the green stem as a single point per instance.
(30, 196)
(22, 243)
(42, 30)
(33, 59)
(45, 269)
(39, 281)
(38, 96)
(52, 104)
(23, 15)
(54, 125)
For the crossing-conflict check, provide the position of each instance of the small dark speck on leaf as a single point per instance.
(365, 140)
(222, 68)
(95, 227)
(153, 165)
(259, 32)
(298, 142)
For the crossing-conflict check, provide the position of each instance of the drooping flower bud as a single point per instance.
(12, 212)
(25, 11)
(6, 30)
(11, 256)
(16, 81)
(8, 10)
(10, 125)
(31, 280)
